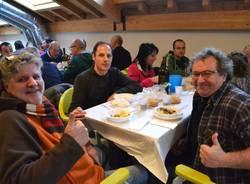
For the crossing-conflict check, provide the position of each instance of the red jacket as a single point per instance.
(136, 73)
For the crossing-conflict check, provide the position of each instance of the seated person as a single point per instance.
(35, 148)
(121, 56)
(141, 70)
(81, 61)
(178, 63)
(53, 54)
(218, 141)
(241, 72)
(99, 83)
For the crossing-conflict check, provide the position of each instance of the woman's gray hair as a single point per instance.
(224, 64)
(12, 64)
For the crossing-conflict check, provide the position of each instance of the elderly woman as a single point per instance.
(34, 146)
(141, 70)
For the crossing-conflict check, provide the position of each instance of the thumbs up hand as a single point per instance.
(212, 156)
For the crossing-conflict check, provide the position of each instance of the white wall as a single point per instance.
(195, 40)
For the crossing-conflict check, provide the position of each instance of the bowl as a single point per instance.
(119, 115)
(126, 96)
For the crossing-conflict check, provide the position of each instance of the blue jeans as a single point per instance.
(137, 173)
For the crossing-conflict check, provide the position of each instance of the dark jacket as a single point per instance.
(121, 58)
(91, 89)
(51, 75)
(78, 64)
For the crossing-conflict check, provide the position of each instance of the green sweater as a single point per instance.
(78, 64)
(178, 65)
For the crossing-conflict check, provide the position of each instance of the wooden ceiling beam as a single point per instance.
(121, 2)
(219, 20)
(9, 30)
(107, 8)
(72, 8)
(60, 13)
(47, 15)
(87, 25)
(90, 9)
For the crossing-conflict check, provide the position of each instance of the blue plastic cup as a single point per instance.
(174, 80)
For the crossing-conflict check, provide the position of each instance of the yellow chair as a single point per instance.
(125, 71)
(118, 177)
(64, 104)
(192, 175)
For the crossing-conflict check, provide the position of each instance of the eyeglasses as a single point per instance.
(73, 46)
(204, 74)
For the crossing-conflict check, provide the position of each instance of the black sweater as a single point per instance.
(91, 89)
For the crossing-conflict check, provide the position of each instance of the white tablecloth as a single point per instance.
(143, 136)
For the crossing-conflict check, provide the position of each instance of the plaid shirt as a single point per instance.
(228, 113)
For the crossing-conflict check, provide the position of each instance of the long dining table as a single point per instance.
(143, 136)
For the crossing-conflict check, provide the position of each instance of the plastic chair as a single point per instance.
(118, 177)
(64, 104)
(125, 71)
(192, 175)
(63, 108)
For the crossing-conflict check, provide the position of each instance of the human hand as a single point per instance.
(155, 79)
(212, 156)
(78, 113)
(112, 97)
(77, 130)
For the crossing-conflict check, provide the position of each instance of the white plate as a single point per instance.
(119, 111)
(127, 96)
(167, 118)
(175, 116)
(119, 102)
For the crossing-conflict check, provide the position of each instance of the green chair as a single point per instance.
(118, 177)
(64, 104)
(192, 175)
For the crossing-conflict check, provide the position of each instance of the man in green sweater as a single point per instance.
(80, 62)
(178, 63)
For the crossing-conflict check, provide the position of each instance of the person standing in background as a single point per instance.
(81, 60)
(178, 63)
(121, 57)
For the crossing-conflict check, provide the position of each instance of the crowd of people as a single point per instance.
(35, 144)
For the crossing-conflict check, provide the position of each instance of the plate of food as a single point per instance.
(119, 115)
(126, 96)
(119, 102)
(168, 113)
